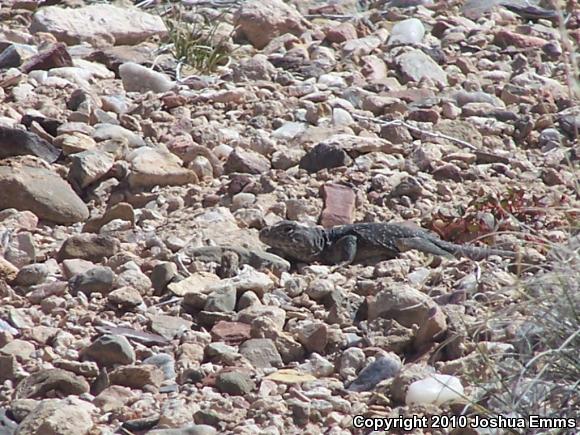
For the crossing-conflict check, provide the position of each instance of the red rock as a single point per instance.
(231, 332)
(261, 21)
(505, 38)
(171, 101)
(424, 115)
(339, 203)
(342, 32)
(55, 57)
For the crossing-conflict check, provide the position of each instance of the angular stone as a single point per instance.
(169, 327)
(88, 167)
(505, 38)
(125, 298)
(231, 333)
(136, 376)
(63, 417)
(15, 54)
(109, 350)
(324, 156)
(42, 192)
(415, 65)
(122, 210)
(341, 33)
(261, 352)
(410, 31)
(276, 314)
(21, 349)
(246, 162)
(75, 266)
(150, 167)
(339, 205)
(56, 56)
(114, 397)
(47, 382)
(91, 247)
(222, 300)
(384, 367)
(16, 142)
(235, 383)
(404, 304)
(261, 22)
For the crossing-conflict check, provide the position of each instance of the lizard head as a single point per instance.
(293, 240)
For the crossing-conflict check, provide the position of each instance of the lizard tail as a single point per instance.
(474, 252)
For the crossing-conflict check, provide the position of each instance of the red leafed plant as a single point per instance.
(490, 213)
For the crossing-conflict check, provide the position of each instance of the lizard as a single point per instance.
(344, 244)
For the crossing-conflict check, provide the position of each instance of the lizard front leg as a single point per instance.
(342, 252)
(423, 245)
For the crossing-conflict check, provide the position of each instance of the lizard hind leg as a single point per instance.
(423, 245)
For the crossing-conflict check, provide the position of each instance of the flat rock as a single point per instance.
(416, 65)
(261, 352)
(246, 162)
(42, 192)
(51, 381)
(97, 22)
(137, 376)
(169, 327)
(87, 246)
(54, 416)
(150, 167)
(106, 131)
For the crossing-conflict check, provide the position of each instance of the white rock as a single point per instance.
(247, 279)
(341, 117)
(409, 31)
(437, 389)
(137, 78)
(289, 130)
(222, 151)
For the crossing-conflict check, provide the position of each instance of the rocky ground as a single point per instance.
(135, 295)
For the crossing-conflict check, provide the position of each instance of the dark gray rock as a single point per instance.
(108, 350)
(15, 142)
(382, 368)
(324, 156)
(236, 383)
